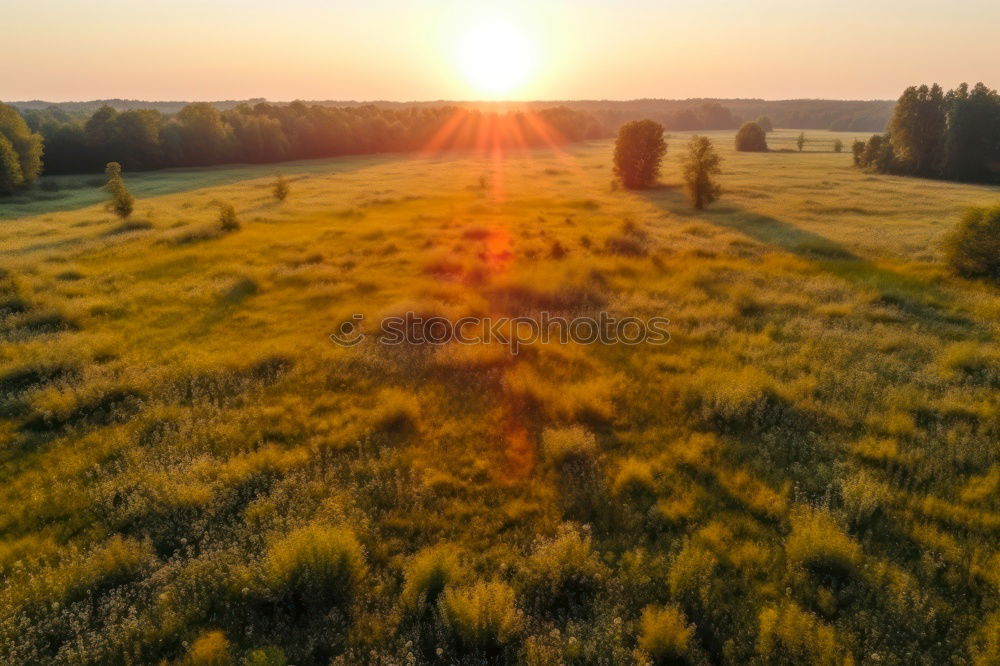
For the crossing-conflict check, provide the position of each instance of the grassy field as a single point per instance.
(192, 471)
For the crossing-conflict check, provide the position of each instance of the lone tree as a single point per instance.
(280, 188)
(838, 146)
(765, 123)
(700, 164)
(801, 141)
(638, 152)
(121, 203)
(751, 138)
(227, 217)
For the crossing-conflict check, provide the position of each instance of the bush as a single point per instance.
(635, 481)
(665, 634)
(800, 142)
(751, 138)
(973, 248)
(211, 649)
(314, 566)
(819, 545)
(564, 573)
(227, 217)
(790, 635)
(429, 572)
(482, 617)
(567, 446)
(858, 151)
(838, 146)
(281, 188)
(638, 152)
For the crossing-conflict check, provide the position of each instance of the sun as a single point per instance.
(495, 56)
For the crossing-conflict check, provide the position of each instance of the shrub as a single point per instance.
(634, 480)
(429, 572)
(482, 617)
(211, 649)
(838, 146)
(691, 575)
(566, 446)
(800, 142)
(665, 634)
(638, 152)
(227, 217)
(790, 635)
(818, 544)
(973, 248)
(267, 656)
(858, 151)
(701, 163)
(563, 573)
(397, 412)
(315, 565)
(121, 203)
(280, 189)
(751, 138)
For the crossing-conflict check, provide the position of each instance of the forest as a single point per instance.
(953, 135)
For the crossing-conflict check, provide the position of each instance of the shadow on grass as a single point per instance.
(70, 192)
(913, 297)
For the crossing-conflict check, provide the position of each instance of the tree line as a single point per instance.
(934, 134)
(202, 135)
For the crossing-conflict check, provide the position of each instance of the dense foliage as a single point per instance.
(954, 135)
(751, 138)
(639, 150)
(973, 248)
(20, 152)
(201, 135)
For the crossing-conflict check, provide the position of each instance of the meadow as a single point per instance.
(192, 472)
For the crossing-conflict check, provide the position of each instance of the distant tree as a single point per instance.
(638, 152)
(121, 203)
(801, 141)
(858, 151)
(700, 164)
(973, 249)
(751, 138)
(227, 217)
(765, 123)
(917, 130)
(20, 153)
(838, 146)
(280, 188)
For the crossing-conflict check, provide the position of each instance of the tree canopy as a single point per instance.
(638, 152)
(20, 152)
(751, 138)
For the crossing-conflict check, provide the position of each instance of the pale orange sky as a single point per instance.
(61, 50)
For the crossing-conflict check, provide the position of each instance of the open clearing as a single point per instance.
(808, 470)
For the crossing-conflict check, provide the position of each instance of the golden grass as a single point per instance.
(807, 471)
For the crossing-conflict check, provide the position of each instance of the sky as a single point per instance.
(64, 50)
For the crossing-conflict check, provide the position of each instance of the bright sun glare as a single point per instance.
(495, 56)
